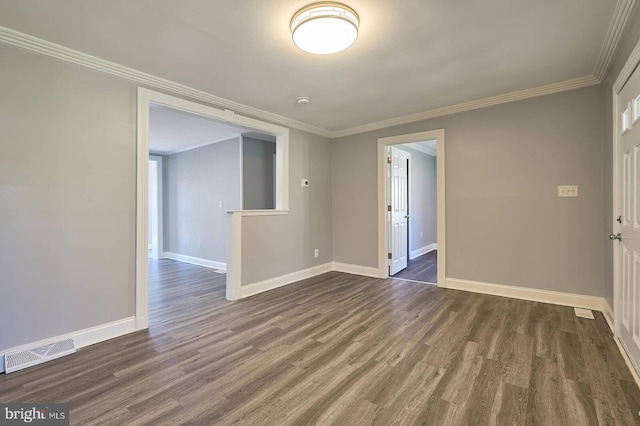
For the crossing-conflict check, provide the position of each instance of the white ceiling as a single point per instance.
(411, 56)
(172, 130)
(428, 147)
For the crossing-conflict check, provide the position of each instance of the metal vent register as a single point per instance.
(23, 359)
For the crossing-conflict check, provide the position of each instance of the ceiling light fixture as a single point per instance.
(325, 27)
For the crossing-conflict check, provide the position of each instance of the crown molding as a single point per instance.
(609, 48)
(614, 33)
(627, 70)
(37, 45)
(425, 150)
(548, 89)
(202, 145)
(421, 148)
(612, 39)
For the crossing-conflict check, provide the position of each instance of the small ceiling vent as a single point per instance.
(23, 359)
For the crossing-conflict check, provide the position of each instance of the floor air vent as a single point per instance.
(19, 360)
(584, 313)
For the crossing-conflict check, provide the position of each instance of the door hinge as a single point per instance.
(388, 160)
(389, 254)
(389, 208)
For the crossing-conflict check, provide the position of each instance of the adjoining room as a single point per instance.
(238, 213)
(200, 169)
(414, 212)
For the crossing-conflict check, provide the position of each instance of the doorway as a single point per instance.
(203, 178)
(411, 245)
(414, 210)
(148, 99)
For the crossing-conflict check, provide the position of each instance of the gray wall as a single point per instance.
(67, 201)
(423, 207)
(505, 223)
(67, 198)
(196, 180)
(257, 174)
(277, 245)
(627, 44)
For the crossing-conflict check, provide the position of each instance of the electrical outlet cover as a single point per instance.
(567, 190)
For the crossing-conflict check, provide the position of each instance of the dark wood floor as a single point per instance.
(423, 268)
(340, 349)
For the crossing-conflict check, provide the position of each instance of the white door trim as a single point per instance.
(383, 243)
(234, 254)
(625, 74)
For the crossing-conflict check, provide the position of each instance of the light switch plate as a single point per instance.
(567, 190)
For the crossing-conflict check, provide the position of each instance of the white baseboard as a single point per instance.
(82, 338)
(366, 271)
(423, 250)
(525, 293)
(271, 283)
(93, 335)
(607, 311)
(194, 260)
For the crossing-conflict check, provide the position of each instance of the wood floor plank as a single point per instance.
(509, 406)
(555, 400)
(423, 268)
(485, 390)
(340, 349)
(460, 374)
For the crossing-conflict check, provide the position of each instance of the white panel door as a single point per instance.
(399, 211)
(628, 311)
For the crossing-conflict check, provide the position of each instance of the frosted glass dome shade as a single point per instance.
(325, 28)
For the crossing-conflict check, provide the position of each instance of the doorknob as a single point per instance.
(617, 236)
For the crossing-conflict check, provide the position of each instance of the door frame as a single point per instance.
(383, 235)
(632, 62)
(234, 230)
